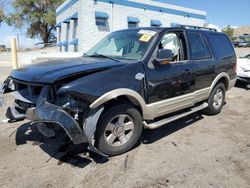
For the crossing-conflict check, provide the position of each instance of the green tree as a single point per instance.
(230, 32)
(1, 14)
(39, 17)
(2, 5)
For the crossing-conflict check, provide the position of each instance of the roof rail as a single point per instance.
(197, 27)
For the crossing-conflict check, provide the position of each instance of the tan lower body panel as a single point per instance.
(178, 103)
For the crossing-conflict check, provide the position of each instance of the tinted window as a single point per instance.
(222, 45)
(198, 47)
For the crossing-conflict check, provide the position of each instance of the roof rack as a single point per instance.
(197, 27)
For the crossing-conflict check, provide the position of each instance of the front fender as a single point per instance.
(91, 87)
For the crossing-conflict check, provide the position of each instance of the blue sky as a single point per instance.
(220, 12)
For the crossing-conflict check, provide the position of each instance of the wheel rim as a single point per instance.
(218, 99)
(119, 130)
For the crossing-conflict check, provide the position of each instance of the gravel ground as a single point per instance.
(196, 151)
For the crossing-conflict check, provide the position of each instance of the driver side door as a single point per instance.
(169, 84)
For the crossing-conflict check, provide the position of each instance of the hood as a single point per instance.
(50, 71)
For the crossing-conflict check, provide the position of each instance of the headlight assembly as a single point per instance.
(71, 103)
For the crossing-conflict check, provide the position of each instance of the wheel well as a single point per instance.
(125, 100)
(225, 81)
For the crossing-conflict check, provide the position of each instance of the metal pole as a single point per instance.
(18, 42)
(14, 53)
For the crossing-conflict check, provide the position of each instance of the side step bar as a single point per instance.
(162, 122)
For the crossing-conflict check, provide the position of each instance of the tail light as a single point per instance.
(235, 66)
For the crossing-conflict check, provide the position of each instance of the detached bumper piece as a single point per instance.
(18, 112)
(15, 114)
(49, 113)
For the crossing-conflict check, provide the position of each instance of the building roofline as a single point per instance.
(156, 6)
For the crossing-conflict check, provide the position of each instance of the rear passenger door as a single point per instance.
(200, 54)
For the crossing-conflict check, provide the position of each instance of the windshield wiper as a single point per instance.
(103, 56)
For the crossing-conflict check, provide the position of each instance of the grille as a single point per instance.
(29, 91)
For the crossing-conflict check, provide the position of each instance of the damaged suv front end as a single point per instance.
(60, 92)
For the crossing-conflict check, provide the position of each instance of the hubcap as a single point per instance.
(119, 130)
(218, 99)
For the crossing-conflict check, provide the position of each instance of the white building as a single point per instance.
(82, 23)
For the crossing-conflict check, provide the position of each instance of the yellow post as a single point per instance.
(14, 53)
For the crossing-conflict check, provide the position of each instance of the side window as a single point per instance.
(222, 45)
(101, 22)
(170, 41)
(132, 25)
(198, 47)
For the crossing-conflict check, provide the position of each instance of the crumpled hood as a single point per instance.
(50, 71)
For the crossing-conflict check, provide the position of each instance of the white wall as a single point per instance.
(69, 12)
(89, 34)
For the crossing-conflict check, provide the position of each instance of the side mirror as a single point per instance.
(164, 56)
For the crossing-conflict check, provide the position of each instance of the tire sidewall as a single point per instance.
(211, 109)
(101, 142)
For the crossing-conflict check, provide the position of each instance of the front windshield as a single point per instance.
(126, 44)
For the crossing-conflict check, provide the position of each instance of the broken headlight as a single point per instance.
(71, 103)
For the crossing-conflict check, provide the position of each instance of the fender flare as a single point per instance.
(122, 92)
(216, 80)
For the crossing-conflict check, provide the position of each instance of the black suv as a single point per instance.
(132, 79)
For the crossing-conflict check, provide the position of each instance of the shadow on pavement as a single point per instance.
(150, 136)
(59, 147)
(62, 149)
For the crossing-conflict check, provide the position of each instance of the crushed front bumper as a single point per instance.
(49, 113)
(45, 112)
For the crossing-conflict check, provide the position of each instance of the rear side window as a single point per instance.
(222, 45)
(198, 47)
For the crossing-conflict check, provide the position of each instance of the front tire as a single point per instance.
(118, 130)
(216, 100)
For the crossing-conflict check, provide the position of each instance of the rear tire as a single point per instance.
(216, 100)
(118, 130)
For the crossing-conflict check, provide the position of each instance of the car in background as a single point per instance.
(243, 70)
(244, 44)
(2, 48)
(236, 43)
